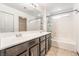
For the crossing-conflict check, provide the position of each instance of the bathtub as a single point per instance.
(63, 43)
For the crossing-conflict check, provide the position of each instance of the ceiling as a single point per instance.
(50, 8)
(25, 8)
(53, 8)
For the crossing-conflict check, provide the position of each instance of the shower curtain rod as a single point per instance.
(63, 12)
(57, 14)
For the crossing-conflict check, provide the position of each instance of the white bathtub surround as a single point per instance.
(64, 45)
(12, 40)
(63, 32)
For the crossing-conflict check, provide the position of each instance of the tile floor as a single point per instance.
(54, 51)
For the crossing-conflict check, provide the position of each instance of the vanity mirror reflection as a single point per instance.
(6, 22)
(18, 17)
(22, 24)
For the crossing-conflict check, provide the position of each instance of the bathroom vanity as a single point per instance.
(28, 45)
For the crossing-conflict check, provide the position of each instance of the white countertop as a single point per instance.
(9, 41)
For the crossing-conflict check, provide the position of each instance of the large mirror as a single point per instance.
(17, 17)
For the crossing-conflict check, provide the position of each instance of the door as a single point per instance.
(22, 24)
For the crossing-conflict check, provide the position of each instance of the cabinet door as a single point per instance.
(42, 46)
(43, 53)
(49, 42)
(34, 51)
(25, 53)
(46, 45)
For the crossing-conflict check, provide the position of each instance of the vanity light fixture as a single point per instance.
(34, 5)
(31, 6)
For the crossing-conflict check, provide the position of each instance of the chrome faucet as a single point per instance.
(18, 35)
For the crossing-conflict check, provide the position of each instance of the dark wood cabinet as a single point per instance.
(33, 42)
(26, 53)
(35, 47)
(42, 38)
(42, 53)
(48, 35)
(42, 45)
(47, 45)
(16, 50)
(34, 51)
(48, 41)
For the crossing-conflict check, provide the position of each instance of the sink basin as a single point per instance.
(11, 41)
(7, 41)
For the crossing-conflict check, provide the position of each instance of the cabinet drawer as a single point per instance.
(48, 35)
(42, 45)
(13, 51)
(33, 42)
(42, 38)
